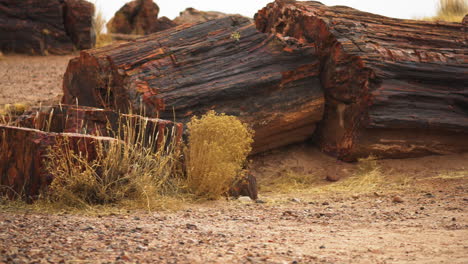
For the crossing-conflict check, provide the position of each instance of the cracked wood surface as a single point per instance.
(226, 65)
(394, 88)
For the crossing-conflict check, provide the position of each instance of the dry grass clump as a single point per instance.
(451, 11)
(452, 175)
(290, 181)
(126, 170)
(216, 153)
(367, 178)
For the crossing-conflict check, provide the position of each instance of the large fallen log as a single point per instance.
(46, 27)
(225, 65)
(394, 88)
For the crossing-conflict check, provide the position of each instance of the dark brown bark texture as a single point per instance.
(41, 27)
(394, 88)
(79, 23)
(23, 157)
(226, 65)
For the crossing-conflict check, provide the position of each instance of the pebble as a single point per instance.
(191, 227)
(260, 201)
(332, 178)
(397, 199)
(244, 199)
(296, 200)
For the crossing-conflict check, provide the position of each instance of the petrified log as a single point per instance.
(394, 88)
(99, 122)
(78, 15)
(23, 158)
(226, 65)
(45, 27)
(139, 17)
(194, 16)
(165, 23)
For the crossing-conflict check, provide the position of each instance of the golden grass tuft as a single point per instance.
(217, 150)
(126, 171)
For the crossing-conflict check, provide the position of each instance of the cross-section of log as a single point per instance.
(23, 159)
(226, 65)
(394, 88)
(100, 122)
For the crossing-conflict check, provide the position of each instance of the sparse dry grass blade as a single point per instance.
(130, 170)
(217, 151)
(99, 23)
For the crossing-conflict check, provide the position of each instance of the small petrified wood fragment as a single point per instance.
(269, 82)
(394, 88)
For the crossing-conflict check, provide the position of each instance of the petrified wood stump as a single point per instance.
(23, 158)
(394, 88)
(269, 82)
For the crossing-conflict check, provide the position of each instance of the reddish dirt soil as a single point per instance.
(423, 221)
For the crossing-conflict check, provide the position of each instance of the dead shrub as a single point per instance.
(450, 11)
(217, 150)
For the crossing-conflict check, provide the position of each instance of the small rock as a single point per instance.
(88, 228)
(332, 178)
(123, 256)
(191, 226)
(296, 200)
(244, 199)
(355, 196)
(397, 199)
(325, 203)
(260, 201)
(429, 195)
(322, 247)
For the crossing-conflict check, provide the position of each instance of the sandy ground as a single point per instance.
(427, 222)
(423, 221)
(32, 79)
(429, 226)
